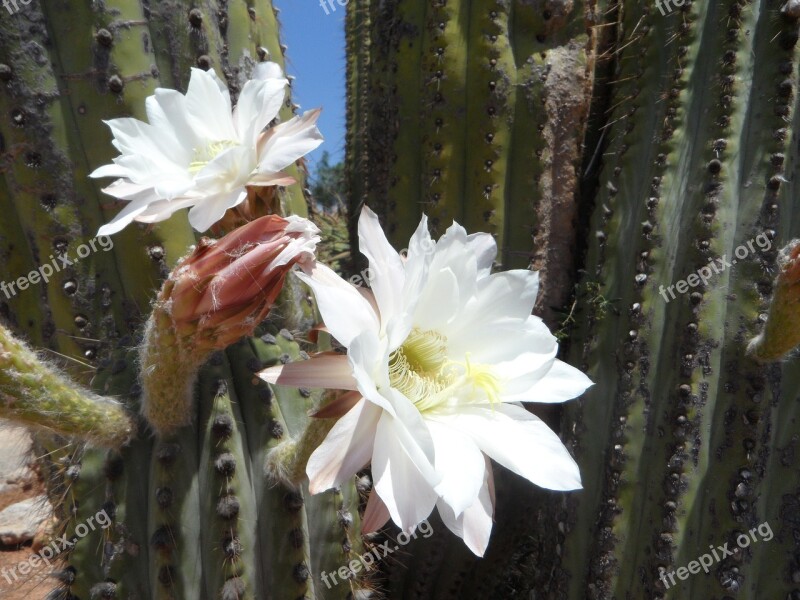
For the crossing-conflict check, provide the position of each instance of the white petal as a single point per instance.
(347, 448)
(387, 274)
(209, 105)
(343, 309)
(168, 109)
(112, 170)
(178, 146)
(485, 249)
(521, 373)
(258, 104)
(375, 514)
(477, 520)
(211, 209)
(474, 526)
(510, 294)
(402, 479)
(132, 136)
(287, 142)
(279, 178)
(161, 210)
(559, 383)
(138, 140)
(146, 169)
(330, 371)
(500, 341)
(460, 464)
(229, 170)
(421, 249)
(519, 441)
(172, 188)
(126, 190)
(452, 245)
(439, 301)
(267, 70)
(453, 271)
(124, 218)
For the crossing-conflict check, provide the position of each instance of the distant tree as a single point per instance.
(327, 187)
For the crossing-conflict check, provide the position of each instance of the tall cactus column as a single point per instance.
(678, 440)
(474, 112)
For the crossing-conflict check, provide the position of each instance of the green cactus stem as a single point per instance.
(286, 463)
(35, 394)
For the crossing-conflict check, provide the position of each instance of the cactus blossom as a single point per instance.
(440, 353)
(196, 153)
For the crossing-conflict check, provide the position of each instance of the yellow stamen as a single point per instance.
(481, 376)
(421, 370)
(203, 156)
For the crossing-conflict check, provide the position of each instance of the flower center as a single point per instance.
(421, 370)
(203, 156)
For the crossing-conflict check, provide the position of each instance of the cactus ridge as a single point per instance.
(215, 519)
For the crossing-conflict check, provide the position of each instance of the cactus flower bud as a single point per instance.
(224, 288)
(781, 332)
(216, 295)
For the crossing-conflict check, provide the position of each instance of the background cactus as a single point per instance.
(475, 111)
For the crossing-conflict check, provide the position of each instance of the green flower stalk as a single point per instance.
(215, 296)
(35, 394)
(781, 332)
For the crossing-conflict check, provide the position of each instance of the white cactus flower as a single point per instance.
(197, 153)
(440, 353)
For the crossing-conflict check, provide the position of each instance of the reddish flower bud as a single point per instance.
(216, 295)
(225, 287)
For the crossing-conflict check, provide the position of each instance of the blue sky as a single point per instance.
(316, 58)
